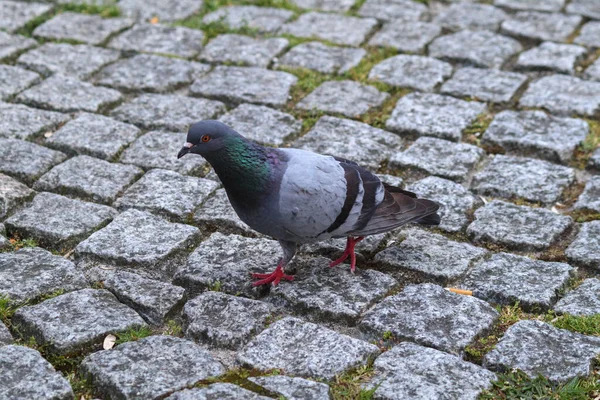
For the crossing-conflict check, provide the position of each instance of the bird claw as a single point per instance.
(274, 277)
(348, 252)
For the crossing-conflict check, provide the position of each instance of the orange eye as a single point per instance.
(205, 138)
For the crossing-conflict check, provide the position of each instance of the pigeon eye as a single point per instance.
(205, 138)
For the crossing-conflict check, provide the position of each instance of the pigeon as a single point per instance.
(297, 196)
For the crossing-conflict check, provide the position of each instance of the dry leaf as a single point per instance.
(109, 342)
(154, 20)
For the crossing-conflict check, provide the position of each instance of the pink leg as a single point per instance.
(273, 277)
(349, 252)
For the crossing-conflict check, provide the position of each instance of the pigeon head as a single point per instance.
(207, 137)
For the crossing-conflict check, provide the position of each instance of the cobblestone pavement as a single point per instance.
(491, 108)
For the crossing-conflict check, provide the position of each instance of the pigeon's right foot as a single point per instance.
(349, 252)
(274, 277)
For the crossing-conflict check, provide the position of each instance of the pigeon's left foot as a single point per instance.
(274, 277)
(349, 252)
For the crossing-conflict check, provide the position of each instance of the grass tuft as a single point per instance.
(585, 324)
(348, 386)
(133, 334)
(584, 151)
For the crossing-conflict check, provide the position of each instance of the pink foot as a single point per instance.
(349, 252)
(274, 277)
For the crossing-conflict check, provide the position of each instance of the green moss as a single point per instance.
(239, 377)
(361, 72)
(592, 142)
(133, 334)
(308, 80)
(173, 328)
(581, 216)
(348, 386)
(378, 116)
(7, 309)
(585, 324)
(17, 243)
(475, 131)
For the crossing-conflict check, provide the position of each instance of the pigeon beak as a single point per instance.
(184, 150)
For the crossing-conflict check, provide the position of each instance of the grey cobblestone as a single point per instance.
(243, 50)
(146, 9)
(433, 115)
(305, 349)
(217, 213)
(415, 72)
(584, 300)
(161, 39)
(163, 363)
(541, 26)
(12, 195)
(147, 72)
(340, 6)
(406, 36)
(30, 273)
(14, 80)
(589, 35)
(264, 19)
(12, 45)
(593, 71)
(595, 160)
(94, 135)
(245, 84)
(590, 198)
(75, 321)
(430, 315)
(533, 5)
(585, 250)
(518, 227)
(293, 388)
(167, 111)
(484, 84)
(339, 29)
(322, 58)
(587, 8)
(217, 391)
(5, 336)
(90, 29)
(15, 15)
(387, 10)
(552, 56)
(439, 157)
(80, 61)
(472, 16)
(355, 140)
(27, 161)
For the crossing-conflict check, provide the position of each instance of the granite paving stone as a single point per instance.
(431, 316)
(90, 29)
(263, 19)
(4, 242)
(439, 157)
(218, 214)
(27, 161)
(149, 368)
(563, 95)
(227, 261)
(167, 111)
(12, 195)
(225, 391)
(94, 135)
(593, 71)
(245, 84)
(537, 348)
(340, 6)
(262, 124)
(75, 321)
(14, 80)
(79, 61)
(590, 198)
(585, 249)
(587, 8)
(454, 199)
(533, 5)
(414, 72)
(152, 73)
(155, 301)
(406, 36)
(526, 178)
(30, 273)
(484, 84)
(67, 94)
(12, 45)
(159, 150)
(15, 15)
(535, 133)
(435, 115)
(472, 16)
(224, 321)
(552, 56)
(595, 160)
(171, 11)
(589, 35)
(507, 279)
(583, 300)
(354, 140)
(293, 388)
(424, 256)
(334, 248)
(89, 178)
(58, 222)
(332, 294)
(21, 122)
(136, 241)
(537, 25)
(26, 374)
(387, 10)
(162, 39)
(517, 227)
(167, 193)
(322, 58)
(339, 29)
(479, 48)
(243, 50)
(305, 349)
(346, 97)
(5, 336)
(412, 371)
